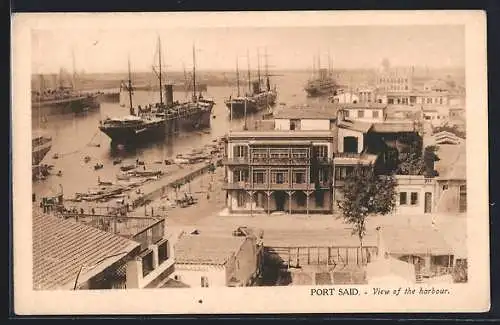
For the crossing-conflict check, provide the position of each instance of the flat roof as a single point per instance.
(365, 159)
(206, 249)
(62, 247)
(280, 134)
(415, 239)
(316, 238)
(418, 93)
(363, 106)
(452, 161)
(394, 126)
(328, 111)
(355, 125)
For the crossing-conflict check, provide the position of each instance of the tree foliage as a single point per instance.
(412, 162)
(365, 194)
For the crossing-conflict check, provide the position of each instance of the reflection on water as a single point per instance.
(76, 136)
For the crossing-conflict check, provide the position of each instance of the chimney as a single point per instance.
(169, 95)
(340, 115)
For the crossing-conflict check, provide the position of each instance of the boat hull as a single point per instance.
(200, 119)
(129, 135)
(110, 97)
(319, 92)
(258, 103)
(68, 106)
(39, 153)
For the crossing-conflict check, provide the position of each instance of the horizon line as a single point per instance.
(456, 67)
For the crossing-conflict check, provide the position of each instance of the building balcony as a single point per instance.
(275, 161)
(236, 161)
(275, 186)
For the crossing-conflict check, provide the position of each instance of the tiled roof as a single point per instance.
(205, 249)
(394, 127)
(445, 136)
(61, 247)
(355, 125)
(452, 161)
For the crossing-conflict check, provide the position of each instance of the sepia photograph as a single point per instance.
(250, 162)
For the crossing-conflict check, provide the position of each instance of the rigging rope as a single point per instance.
(79, 150)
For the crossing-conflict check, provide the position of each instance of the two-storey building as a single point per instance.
(283, 170)
(292, 168)
(301, 165)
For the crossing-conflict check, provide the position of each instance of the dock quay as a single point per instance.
(154, 190)
(145, 193)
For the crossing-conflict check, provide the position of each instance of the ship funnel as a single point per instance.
(169, 95)
(268, 84)
(256, 87)
(323, 73)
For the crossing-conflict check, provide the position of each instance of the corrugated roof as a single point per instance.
(394, 127)
(452, 161)
(61, 247)
(355, 125)
(201, 249)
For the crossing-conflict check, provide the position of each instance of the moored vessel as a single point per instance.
(258, 98)
(322, 84)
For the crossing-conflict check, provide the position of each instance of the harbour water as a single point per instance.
(77, 136)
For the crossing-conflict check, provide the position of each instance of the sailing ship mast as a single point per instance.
(73, 81)
(237, 77)
(159, 73)
(130, 88)
(268, 84)
(314, 67)
(194, 74)
(258, 67)
(249, 76)
(329, 63)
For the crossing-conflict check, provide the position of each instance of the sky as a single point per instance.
(102, 50)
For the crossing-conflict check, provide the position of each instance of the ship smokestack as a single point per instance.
(169, 95)
(256, 87)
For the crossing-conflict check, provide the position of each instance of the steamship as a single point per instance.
(153, 121)
(258, 100)
(324, 85)
(61, 98)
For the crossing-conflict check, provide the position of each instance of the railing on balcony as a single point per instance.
(276, 186)
(347, 155)
(237, 161)
(289, 161)
(151, 234)
(277, 161)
